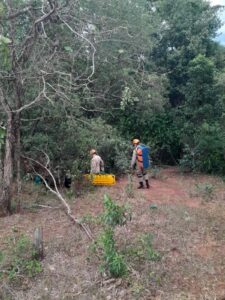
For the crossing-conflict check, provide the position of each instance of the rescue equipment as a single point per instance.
(101, 179)
(143, 153)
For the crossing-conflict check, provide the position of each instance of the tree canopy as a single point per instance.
(87, 74)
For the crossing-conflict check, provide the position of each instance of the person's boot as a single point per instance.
(147, 184)
(141, 185)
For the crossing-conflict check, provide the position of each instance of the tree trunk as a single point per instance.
(5, 196)
(17, 159)
(1, 162)
(16, 70)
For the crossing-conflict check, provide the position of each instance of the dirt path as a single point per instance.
(183, 214)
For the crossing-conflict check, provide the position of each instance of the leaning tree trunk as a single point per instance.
(17, 84)
(5, 196)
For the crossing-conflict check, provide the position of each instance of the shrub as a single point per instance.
(114, 214)
(68, 145)
(113, 261)
(207, 152)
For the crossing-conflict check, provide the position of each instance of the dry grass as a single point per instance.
(188, 232)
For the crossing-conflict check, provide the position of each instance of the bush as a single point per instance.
(68, 146)
(114, 214)
(113, 261)
(207, 154)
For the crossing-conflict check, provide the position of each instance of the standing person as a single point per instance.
(140, 160)
(97, 164)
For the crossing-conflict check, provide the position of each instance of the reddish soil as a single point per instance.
(187, 226)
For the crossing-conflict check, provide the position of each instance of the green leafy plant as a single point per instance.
(142, 249)
(188, 162)
(113, 261)
(149, 252)
(114, 214)
(19, 259)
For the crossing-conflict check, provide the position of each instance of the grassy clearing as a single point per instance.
(173, 249)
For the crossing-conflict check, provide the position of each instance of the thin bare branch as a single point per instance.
(88, 41)
(59, 195)
(18, 13)
(40, 96)
(31, 37)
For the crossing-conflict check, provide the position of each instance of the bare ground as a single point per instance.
(188, 229)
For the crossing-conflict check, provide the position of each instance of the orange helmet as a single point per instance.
(136, 141)
(93, 151)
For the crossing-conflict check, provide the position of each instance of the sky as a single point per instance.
(221, 33)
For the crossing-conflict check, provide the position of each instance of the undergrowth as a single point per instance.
(204, 190)
(18, 259)
(114, 261)
(114, 215)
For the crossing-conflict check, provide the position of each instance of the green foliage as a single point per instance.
(113, 261)
(207, 153)
(188, 161)
(142, 249)
(184, 31)
(2, 136)
(68, 145)
(19, 260)
(114, 214)
(199, 90)
(149, 252)
(4, 51)
(127, 98)
(210, 142)
(164, 138)
(147, 55)
(2, 8)
(4, 40)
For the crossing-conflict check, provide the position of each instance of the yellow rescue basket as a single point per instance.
(101, 179)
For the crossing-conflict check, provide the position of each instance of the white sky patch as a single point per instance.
(221, 32)
(217, 2)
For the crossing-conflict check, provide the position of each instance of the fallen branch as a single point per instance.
(59, 195)
(39, 205)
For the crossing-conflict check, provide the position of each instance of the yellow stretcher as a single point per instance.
(101, 179)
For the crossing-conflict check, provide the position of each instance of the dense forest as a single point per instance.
(76, 75)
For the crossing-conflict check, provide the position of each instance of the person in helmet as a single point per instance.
(97, 164)
(137, 162)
